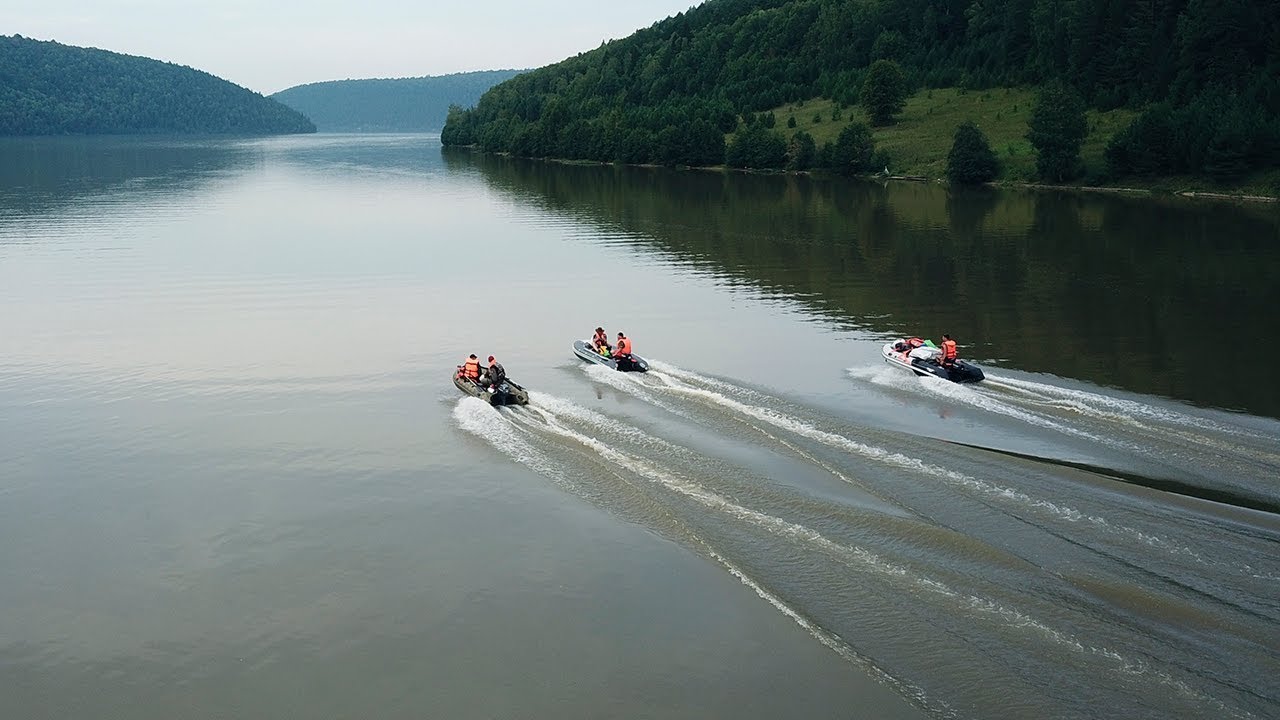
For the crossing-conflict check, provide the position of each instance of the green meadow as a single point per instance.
(917, 144)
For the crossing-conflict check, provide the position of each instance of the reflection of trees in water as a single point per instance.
(1154, 287)
(967, 208)
(42, 175)
(1107, 288)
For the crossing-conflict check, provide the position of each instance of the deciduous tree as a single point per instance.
(884, 92)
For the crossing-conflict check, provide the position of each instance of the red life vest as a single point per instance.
(471, 369)
(624, 346)
(600, 340)
(949, 350)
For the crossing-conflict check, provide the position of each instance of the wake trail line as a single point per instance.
(1155, 423)
(484, 421)
(953, 391)
(1108, 407)
(678, 381)
(861, 558)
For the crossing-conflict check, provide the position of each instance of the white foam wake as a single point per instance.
(967, 395)
(854, 556)
(1108, 407)
(486, 422)
(988, 489)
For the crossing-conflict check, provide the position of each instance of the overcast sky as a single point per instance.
(270, 45)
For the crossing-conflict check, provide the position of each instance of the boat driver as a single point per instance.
(495, 374)
(948, 358)
(624, 347)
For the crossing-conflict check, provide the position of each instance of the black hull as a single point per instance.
(960, 372)
(512, 394)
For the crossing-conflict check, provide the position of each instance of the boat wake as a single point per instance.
(980, 557)
(1204, 453)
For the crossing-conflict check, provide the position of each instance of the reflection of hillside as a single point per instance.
(43, 175)
(408, 153)
(1134, 293)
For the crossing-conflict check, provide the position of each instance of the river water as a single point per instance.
(236, 481)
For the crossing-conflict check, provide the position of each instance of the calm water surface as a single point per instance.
(235, 480)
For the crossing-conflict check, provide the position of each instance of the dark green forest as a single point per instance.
(1203, 76)
(47, 88)
(418, 104)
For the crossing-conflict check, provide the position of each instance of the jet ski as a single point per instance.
(583, 349)
(506, 393)
(923, 358)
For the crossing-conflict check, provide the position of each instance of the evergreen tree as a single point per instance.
(826, 155)
(801, 151)
(884, 92)
(1147, 146)
(971, 160)
(1056, 130)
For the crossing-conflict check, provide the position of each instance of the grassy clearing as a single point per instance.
(920, 140)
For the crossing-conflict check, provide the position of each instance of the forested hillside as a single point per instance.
(418, 104)
(47, 88)
(1203, 77)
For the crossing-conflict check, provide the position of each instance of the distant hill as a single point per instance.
(418, 104)
(47, 88)
(1201, 76)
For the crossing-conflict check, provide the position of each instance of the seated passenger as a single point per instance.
(470, 369)
(600, 341)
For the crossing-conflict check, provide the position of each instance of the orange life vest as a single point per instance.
(471, 369)
(949, 350)
(624, 346)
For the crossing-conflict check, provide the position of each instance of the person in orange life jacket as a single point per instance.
(600, 340)
(948, 351)
(470, 369)
(624, 347)
(495, 374)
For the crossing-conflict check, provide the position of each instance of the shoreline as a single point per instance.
(1120, 190)
(1190, 194)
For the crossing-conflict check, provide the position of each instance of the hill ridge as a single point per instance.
(48, 88)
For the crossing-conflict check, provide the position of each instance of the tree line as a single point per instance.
(1205, 75)
(47, 88)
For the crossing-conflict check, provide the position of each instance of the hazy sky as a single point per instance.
(270, 45)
